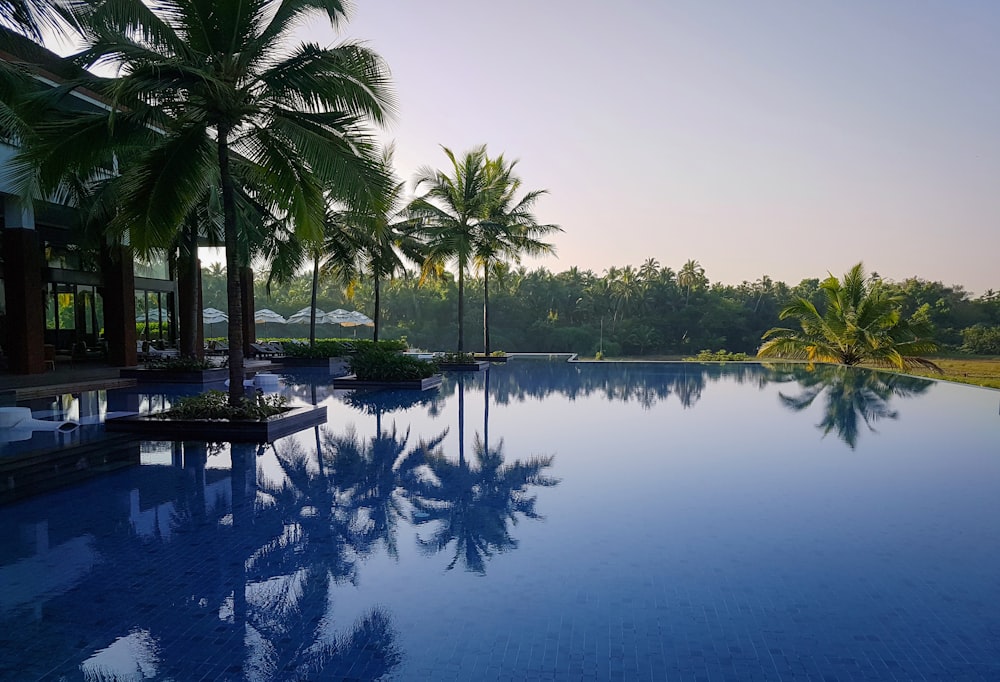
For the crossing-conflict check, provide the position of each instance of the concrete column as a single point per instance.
(25, 299)
(118, 270)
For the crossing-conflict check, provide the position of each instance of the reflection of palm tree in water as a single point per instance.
(368, 475)
(474, 503)
(853, 396)
(315, 535)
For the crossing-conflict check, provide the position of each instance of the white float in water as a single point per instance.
(17, 423)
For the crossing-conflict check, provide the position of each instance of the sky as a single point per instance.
(785, 138)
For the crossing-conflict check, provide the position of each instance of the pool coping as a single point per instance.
(243, 431)
(351, 381)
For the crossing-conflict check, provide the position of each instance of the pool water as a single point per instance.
(542, 520)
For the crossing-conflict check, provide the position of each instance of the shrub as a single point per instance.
(180, 364)
(981, 340)
(215, 405)
(378, 364)
(336, 348)
(456, 358)
(719, 356)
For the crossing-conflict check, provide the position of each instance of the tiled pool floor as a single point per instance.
(644, 522)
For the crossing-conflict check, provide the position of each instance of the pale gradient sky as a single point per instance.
(770, 137)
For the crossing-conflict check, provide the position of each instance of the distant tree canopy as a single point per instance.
(641, 310)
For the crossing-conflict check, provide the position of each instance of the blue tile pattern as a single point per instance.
(587, 522)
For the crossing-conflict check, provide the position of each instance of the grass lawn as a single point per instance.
(983, 371)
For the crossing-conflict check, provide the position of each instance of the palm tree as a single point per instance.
(386, 235)
(509, 230)
(334, 255)
(862, 323)
(690, 276)
(450, 211)
(216, 79)
(33, 17)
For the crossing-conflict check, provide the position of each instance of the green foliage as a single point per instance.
(719, 356)
(981, 340)
(382, 344)
(640, 311)
(372, 363)
(860, 323)
(215, 405)
(456, 358)
(337, 348)
(324, 348)
(180, 364)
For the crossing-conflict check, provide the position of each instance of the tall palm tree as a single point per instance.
(691, 275)
(509, 230)
(386, 235)
(861, 323)
(334, 255)
(450, 211)
(216, 79)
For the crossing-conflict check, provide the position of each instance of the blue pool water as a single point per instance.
(586, 521)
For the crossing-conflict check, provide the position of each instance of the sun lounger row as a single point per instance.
(267, 350)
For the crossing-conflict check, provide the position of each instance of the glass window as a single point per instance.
(156, 268)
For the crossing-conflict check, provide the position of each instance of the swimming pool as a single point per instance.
(587, 521)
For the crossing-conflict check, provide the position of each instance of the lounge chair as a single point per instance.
(261, 350)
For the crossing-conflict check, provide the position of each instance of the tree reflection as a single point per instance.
(473, 504)
(316, 537)
(853, 397)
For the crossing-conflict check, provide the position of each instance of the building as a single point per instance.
(60, 297)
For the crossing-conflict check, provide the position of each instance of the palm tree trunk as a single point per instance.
(461, 307)
(234, 294)
(486, 309)
(188, 291)
(378, 307)
(315, 295)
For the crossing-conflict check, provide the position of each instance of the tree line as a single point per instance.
(647, 310)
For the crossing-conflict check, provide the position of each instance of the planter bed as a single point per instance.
(352, 381)
(464, 366)
(492, 358)
(174, 376)
(336, 365)
(244, 431)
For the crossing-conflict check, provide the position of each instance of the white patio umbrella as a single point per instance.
(338, 316)
(302, 316)
(356, 318)
(266, 317)
(213, 316)
(153, 315)
(210, 316)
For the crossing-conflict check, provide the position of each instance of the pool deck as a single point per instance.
(76, 378)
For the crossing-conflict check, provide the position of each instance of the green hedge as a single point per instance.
(374, 363)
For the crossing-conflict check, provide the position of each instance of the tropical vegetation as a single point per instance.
(378, 364)
(472, 215)
(860, 322)
(214, 95)
(633, 311)
(216, 405)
